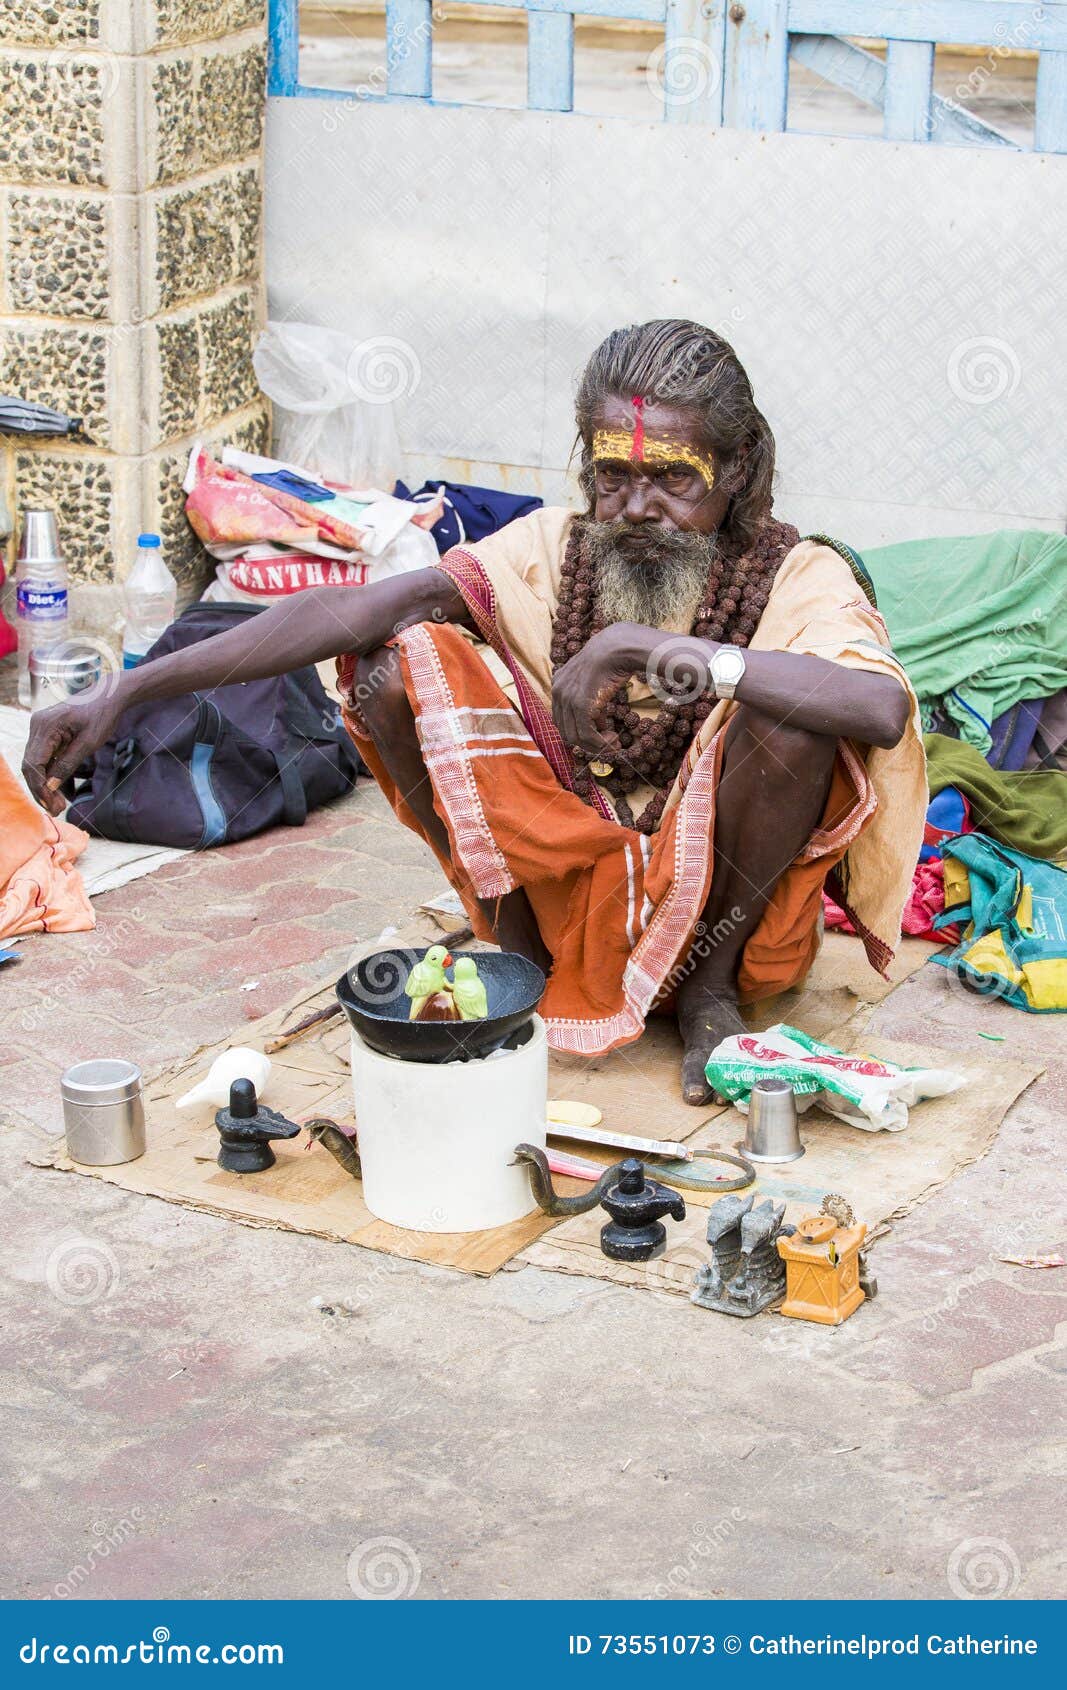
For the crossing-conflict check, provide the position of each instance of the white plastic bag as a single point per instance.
(323, 417)
(861, 1090)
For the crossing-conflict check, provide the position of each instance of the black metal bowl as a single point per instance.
(372, 996)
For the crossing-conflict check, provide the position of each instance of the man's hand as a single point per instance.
(308, 628)
(60, 740)
(585, 683)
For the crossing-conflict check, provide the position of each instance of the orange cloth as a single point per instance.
(816, 607)
(617, 910)
(40, 889)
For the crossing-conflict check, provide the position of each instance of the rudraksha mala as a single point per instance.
(738, 587)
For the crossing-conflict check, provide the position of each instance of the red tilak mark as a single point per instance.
(637, 450)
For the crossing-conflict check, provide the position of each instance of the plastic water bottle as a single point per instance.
(150, 593)
(40, 593)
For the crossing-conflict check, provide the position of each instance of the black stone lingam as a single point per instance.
(635, 1204)
(245, 1128)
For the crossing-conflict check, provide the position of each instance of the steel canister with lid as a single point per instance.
(103, 1112)
(62, 671)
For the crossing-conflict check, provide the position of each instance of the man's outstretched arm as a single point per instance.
(309, 628)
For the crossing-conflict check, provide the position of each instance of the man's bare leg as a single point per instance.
(390, 721)
(771, 797)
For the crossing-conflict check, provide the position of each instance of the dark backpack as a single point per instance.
(217, 766)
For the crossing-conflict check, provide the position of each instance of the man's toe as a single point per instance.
(695, 1087)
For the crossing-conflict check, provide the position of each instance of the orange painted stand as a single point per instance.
(822, 1271)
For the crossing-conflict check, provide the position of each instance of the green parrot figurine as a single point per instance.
(468, 990)
(427, 982)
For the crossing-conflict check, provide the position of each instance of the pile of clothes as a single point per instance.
(274, 528)
(980, 625)
(41, 890)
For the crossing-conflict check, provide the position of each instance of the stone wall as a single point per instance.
(131, 281)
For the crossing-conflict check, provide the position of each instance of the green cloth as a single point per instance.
(978, 623)
(1027, 810)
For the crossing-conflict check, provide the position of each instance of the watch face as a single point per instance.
(728, 666)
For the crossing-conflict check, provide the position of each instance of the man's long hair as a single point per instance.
(681, 363)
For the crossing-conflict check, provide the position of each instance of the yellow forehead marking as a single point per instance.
(612, 445)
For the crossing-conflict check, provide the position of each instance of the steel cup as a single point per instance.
(772, 1133)
(40, 538)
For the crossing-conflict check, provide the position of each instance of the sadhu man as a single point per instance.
(639, 739)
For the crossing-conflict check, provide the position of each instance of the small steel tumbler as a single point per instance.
(103, 1112)
(39, 542)
(772, 1134)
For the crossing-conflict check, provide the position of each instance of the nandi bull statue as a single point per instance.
(746, 1273)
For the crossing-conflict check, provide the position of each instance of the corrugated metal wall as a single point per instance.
(898, 308)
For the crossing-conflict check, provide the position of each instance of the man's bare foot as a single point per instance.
(706, 1015)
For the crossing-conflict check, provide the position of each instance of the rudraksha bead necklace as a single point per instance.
(653, 748)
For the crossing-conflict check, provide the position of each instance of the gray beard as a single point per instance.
(649, 575)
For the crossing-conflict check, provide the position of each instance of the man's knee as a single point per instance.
(379, 686)
(781, 745)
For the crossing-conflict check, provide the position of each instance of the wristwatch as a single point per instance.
(727, 668)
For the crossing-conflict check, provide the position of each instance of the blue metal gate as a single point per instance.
(744, 49)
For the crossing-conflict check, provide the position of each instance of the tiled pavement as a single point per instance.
(184, 1418)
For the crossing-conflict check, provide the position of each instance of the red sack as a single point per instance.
(292, 572)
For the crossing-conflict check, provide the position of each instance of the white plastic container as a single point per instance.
(150, 593)
(437, 1140)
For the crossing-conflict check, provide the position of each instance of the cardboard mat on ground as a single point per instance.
(882, 1174)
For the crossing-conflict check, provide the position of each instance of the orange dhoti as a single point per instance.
(619, 911)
